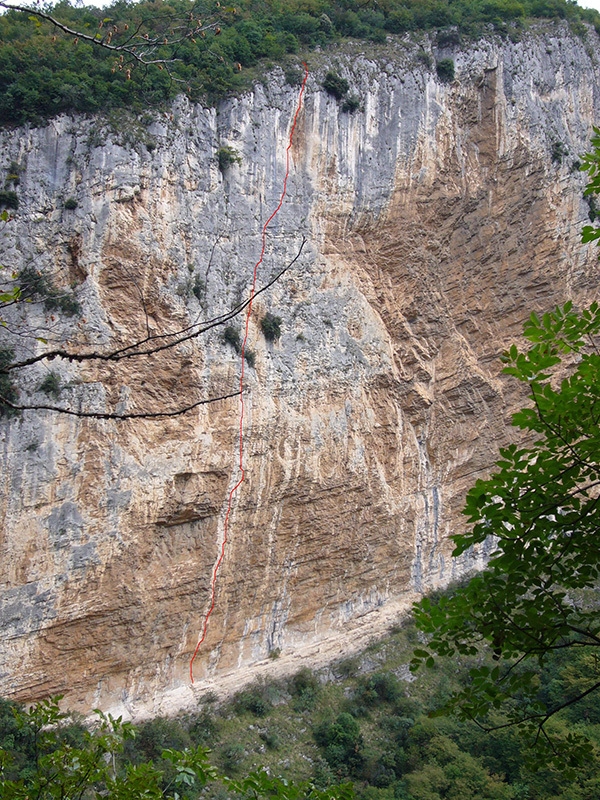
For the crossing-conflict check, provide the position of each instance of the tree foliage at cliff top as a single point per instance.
(45, 72)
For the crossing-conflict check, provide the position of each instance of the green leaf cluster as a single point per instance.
(9, 199)
(51, 385)
(445, 70)
(270, 326)
(335, 85)
(227, 156)
(342, 744)
(8, 391)
(36, 286)
(590, 163)
(541, 506)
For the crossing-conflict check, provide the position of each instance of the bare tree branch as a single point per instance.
(139, 47)
(542, 716)
(109, 415)
(172, 339)
(148, 346)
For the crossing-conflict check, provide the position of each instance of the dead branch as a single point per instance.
(109, 415)
(139, 47)
(148, 346)
(155, 343)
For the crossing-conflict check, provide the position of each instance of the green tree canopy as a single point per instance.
(141, 54)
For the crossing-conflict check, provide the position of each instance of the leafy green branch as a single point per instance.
(541, 506)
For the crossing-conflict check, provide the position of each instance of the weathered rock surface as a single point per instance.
(436, 219)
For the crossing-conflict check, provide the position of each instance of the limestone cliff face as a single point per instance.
(436, 219)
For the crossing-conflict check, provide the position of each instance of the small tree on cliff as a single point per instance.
(542, 506)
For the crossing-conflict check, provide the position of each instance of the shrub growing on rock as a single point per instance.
(227, 156)
(270, 325)
(304, 688)
(381, 687)
(335, 85)
(231, 336)
(51, 385)
(254, 700)
(8, 391)
(9, 199)
(351, 104)
(445, 70)
(37, 286)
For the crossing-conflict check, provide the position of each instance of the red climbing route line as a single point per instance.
(242, 406)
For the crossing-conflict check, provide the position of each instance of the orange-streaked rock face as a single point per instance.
(436, 220)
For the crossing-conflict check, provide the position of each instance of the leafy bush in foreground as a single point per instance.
(69, 761)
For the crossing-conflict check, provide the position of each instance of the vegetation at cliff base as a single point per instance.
(46, 72)
(50, 757)
(364, 720)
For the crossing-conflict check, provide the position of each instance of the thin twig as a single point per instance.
(110, 415)
(178, 337)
